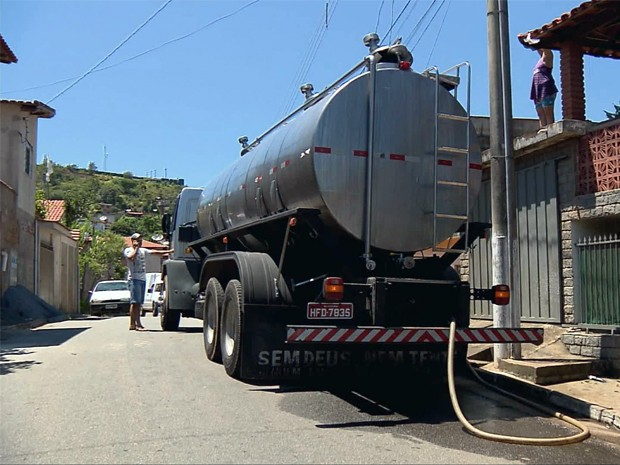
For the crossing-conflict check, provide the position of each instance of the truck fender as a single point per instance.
(182, 279)
(262, 283)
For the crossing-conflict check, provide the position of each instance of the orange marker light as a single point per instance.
(333, 288)
(501, 294)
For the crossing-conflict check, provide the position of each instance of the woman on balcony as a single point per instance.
(544, 90)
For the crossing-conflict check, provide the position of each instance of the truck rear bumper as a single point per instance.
(379, 335)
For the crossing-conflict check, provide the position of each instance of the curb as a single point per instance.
(547, 396)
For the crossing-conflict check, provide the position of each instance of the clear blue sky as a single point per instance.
(179, 110)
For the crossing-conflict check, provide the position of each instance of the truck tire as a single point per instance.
(230, 328)
(214, 296)
(168, 319)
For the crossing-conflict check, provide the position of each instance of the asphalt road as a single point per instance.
(90, 391)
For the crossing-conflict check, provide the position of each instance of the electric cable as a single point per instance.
(413, 32)
(584, 434)
(443, 20)
(148, 20)
(211, 23)
(396, 20)
(429, 23)
(307, 61)
(379, 15)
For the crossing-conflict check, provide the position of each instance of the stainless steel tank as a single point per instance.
(318, 159)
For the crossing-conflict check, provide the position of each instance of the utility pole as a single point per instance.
(105, 157)
(514, 269)
(502, 164)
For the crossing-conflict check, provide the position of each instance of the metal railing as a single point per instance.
(599, 279)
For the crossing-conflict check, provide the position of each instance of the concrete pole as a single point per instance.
(499, 219)
(511, 188)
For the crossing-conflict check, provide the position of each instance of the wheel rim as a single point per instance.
(229, 333)
(210, 320)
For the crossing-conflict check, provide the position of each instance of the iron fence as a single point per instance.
(599, 279)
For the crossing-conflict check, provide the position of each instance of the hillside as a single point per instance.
(132, 203)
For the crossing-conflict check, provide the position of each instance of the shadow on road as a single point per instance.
(8, 366)
(39, 338)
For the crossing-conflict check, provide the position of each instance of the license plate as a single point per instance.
(329, 311)
(109, 306)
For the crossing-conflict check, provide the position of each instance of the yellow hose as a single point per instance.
(584, 434)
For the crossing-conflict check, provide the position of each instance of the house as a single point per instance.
(567, 182)
(39, 255)
(58, 278)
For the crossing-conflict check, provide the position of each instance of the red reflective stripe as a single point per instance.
(397, 156)
(322, 149)
(360, 153)
(273, 170)
(475, 166)
(444, 162)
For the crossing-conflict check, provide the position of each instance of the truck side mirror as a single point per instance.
(165, 223)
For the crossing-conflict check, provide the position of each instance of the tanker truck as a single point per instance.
(328, 243)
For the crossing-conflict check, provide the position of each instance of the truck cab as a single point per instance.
(181, 272)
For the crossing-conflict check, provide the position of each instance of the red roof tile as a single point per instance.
(54, 209)
(593, 25)
(146, 244)
(6, 54)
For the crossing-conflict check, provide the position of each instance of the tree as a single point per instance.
(100, 258)
(40, 211)
(615, 114)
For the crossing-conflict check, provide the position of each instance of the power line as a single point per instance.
(379, 15)
(111, 53)
(307, 61)
(228, 15)
(397, 18)
(420, 21)
(438, 33)
(429, 23)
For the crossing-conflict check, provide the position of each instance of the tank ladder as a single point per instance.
(442, 151)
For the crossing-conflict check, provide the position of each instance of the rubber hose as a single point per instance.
(584, 434)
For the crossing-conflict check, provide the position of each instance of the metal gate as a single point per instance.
(539, 245)
(599, 279)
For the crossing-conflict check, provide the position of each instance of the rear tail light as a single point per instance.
(501, 294)
(333, 288)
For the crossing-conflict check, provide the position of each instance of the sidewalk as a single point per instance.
(583, 392)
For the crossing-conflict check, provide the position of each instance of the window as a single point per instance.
(28, 167)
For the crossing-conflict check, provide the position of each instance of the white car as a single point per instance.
(109, 297)
(158, 297)
(150, 296)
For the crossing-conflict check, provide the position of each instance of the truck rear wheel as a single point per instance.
(230, 328)
(168, 319)
(214, 297)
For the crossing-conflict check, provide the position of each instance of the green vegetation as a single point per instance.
(613, 114)
(134, 204)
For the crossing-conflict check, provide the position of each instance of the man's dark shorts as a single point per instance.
(136, 290)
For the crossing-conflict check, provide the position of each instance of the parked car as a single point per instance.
(149, 297)
(158, 297)
(109, 297)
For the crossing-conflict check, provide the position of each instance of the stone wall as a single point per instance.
(599, 346)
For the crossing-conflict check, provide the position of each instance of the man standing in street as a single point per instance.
(136, 264)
